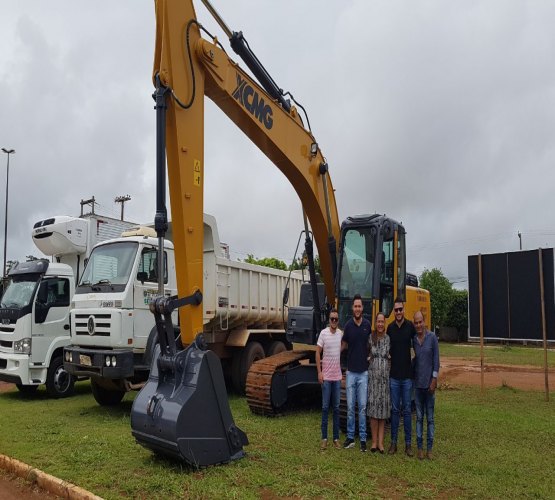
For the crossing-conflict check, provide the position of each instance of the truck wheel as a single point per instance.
(275, 347)
(27, 389)
(105, 397)
(242, 361)
(59, 383)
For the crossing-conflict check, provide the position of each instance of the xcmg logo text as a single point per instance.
(253, 103)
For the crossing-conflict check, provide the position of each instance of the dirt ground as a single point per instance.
(15, 488)
(456, 371)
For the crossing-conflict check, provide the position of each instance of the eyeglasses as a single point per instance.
(334, 319)
(398, 309)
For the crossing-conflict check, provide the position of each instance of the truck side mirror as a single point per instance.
(142, 277)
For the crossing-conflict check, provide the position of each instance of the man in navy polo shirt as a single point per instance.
(355, 340)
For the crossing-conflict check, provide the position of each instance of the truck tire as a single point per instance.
(59, 382)
(27, 390)
(275, 347)
(106, 397)
(242, 361)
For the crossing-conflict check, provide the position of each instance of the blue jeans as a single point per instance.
(400, 401)
(357, 391)
(425, 401)
(331, 392)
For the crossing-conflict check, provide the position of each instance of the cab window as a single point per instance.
(54, 292)
(148, 266)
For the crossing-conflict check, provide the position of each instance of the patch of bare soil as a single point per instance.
(15, 488)
(5, 387)
(456, 371)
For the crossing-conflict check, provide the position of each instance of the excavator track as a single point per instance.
(261, 375)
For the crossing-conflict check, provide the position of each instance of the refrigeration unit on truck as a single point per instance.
(113, 333)
(34, 310)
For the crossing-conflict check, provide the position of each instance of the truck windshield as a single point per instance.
(19, 293)
(357, 263)
(110, 264)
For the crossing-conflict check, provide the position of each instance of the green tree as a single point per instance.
(266, 262)
(302, 263)
(441, 295)
(458, 312)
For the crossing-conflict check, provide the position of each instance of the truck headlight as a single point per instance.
(113, 361)
(22, 346)
(107, 361)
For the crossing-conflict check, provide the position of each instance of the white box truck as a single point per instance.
(112, 329)
(34, 309)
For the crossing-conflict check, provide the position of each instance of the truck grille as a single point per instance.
(93, 324)
(6, 343)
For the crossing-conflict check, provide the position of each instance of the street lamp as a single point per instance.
(8, 152)
(520, 239)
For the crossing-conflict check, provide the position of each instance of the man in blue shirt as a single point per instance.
(426, 369)
(355, 340)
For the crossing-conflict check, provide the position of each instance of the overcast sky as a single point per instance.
(440, 114)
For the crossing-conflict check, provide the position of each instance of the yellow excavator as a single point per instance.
(183, 409)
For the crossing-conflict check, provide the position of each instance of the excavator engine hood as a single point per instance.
(184, 412)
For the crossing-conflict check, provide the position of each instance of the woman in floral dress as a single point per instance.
(379, 400)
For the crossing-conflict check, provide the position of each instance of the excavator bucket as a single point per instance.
(183, 411)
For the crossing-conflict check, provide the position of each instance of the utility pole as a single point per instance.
(8, 152)
(122, 200)
(91, 202)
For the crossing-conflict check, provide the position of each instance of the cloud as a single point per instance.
(436, 113)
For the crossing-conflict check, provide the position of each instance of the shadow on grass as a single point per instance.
(120, 410)
(178, 467)
(81, 388)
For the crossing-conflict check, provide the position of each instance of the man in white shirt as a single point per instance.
(329, 375)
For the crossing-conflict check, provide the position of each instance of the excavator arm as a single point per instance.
(182, 411)
(190, 67)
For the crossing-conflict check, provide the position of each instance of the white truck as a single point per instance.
(34, 310)
(112, 328)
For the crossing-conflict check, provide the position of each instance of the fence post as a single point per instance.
(544, 330)
(481, 323)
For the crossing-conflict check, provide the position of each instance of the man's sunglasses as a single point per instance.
(334, 319)
(398, 309)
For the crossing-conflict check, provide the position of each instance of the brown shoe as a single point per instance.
(429, 455)
(408, 451)
(323, 444)
(336, 444)
(392, 449)
(420, 454)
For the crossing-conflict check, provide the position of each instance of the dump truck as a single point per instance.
(113, 335)
(34, 310)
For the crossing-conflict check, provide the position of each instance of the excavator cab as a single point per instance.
(371, 264)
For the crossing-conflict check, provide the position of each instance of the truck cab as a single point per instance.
(34, 316)
(110, 319)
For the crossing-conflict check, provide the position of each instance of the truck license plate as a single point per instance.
(85, 360)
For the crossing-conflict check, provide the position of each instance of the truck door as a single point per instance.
(51, 315)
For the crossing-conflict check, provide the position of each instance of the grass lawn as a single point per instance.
(497, 445)
(499, 354)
